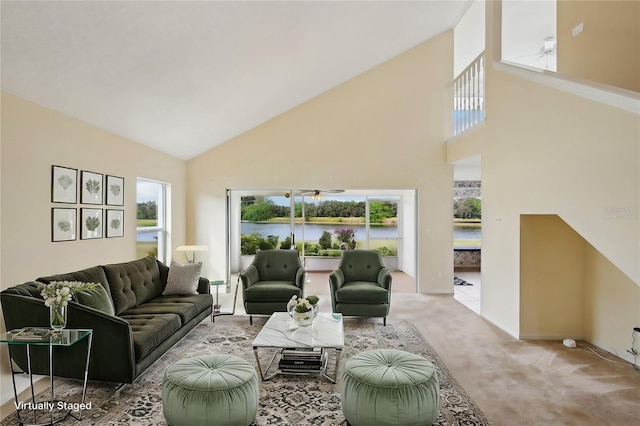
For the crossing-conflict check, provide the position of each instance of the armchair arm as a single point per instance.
(336, 279)
(384, 279)
(249, 277)
(300, 276)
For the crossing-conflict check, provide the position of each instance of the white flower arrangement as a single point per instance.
(59, 293)
(302, 305)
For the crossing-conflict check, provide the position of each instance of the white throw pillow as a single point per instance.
(183, 278)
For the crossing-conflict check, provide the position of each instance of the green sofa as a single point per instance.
(132, 327)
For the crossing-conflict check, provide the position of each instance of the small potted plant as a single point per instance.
(303, 311)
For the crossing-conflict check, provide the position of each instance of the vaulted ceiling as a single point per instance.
(185, 76)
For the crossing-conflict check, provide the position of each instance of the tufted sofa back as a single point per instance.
(361, 265)
(133, 283)
(128, 284)
(277, 265)
(94, 274)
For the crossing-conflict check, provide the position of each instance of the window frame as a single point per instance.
(161, 212)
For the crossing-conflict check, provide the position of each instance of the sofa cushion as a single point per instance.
(202, 302)
(361, 292)
(272, 290)
(150, 330)
(96, 298)
(183, 278)
(186, 307)
(90, 275)
(133, 283)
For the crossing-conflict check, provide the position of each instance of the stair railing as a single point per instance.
(468, 96)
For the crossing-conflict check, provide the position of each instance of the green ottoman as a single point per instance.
(210, 390)
(389, 387)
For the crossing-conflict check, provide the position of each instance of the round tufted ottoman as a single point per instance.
(389, 387)
(210, 390)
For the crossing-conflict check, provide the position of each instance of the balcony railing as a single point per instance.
(468, 96)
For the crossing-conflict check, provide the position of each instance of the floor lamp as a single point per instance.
(191, 250)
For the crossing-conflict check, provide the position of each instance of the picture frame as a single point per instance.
(64, 224)
(64, 185)
(114, 188)
(91, 187)
(91, 223)
(114, 223)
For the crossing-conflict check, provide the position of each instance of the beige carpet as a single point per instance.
(515, 382)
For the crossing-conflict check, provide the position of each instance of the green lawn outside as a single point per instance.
(467, 223)
(146, 248)
(146, 222)
(467, 243)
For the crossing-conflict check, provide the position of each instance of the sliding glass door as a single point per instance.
(318, 224)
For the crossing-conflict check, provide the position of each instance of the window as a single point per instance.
(151, 226)
(467, 214)
(324, 224)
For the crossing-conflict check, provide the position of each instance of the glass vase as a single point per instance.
(58, 317)
(304, 319)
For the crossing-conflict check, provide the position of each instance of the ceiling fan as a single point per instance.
(546, 51)
(316, 194)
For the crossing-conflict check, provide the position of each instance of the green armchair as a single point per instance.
(270, 281)
(361, 286)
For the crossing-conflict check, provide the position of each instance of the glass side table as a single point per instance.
(216, 284)
(46, 412)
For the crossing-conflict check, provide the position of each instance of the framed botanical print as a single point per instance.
(64, 185)
(91, 188)
(115, 223)
(115, 191)
(90, 223)
(64, 224)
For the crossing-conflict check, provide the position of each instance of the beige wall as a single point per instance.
(569, 289)
(611, 304)
(551, 279)
(550, 152)
(382, 129)
(608, 50)
(34, 139)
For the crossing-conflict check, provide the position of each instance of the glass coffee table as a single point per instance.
(300, 350)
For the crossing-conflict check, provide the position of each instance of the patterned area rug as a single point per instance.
(284, 400)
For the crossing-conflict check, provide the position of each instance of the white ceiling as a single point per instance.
(185, 76)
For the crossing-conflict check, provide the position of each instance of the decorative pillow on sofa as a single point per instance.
(96, 298)
(183, 278)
